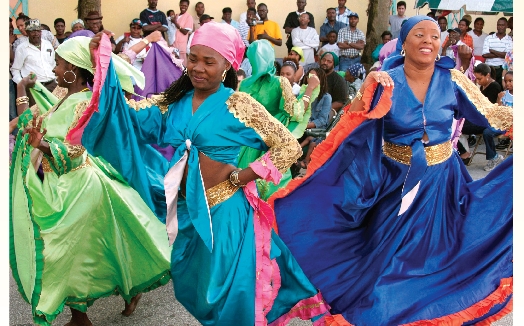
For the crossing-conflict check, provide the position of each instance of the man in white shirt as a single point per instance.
(478, 37)
(35, 56)
(496, 46)
(250, 4)
(306, 38)
(199, 9)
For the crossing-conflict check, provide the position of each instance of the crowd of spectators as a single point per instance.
(335, 47)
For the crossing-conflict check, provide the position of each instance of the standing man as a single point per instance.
(395, 21)
(478, 37)
(496, 46)
(331, 24)
(243, 25)
(443, 24)
(342, 13)
(250, 4)
(269, 30)
(351, 41)
(292, 21)
(153, 19)
(306, 38)
(36, 56)
(199, 8)
(226, 18)
(335, 83)
(184, 24)
(60, 30)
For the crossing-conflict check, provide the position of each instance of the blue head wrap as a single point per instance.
(395, 59)
(357, 70)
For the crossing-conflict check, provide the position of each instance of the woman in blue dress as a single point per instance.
(228, 268)
(387, 222)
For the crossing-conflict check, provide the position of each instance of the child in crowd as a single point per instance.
(354, 77)
(506, 98)
(288, 70)
(332, 45)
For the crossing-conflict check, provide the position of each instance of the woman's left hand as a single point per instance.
(381, 77)
(95, 43)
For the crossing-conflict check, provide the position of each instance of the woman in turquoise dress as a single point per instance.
(387, 222)
(82, 233)
(227, 265)
(276, 95)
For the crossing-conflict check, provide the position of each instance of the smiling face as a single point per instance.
(61, 67)
(135, 30)
(35, 37)
(20, 24)
(183, 7)
(422, 44)
(59, 28)
(77, 27)
(205, 67)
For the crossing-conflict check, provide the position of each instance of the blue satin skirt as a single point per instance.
(218, 288)
(447, 252)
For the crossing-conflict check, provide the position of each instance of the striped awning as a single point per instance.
(470, 5)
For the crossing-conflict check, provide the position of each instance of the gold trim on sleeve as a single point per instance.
(498, 116)
(284, 150)
(287, 94)
(148, 102)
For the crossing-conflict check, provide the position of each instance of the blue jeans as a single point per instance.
(489, 135)
(345, 62)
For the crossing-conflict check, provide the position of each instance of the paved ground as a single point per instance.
(159, 307)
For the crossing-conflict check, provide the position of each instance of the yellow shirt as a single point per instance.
(270, 27)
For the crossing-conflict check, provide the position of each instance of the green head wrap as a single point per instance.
(76, 52)
(335, 57)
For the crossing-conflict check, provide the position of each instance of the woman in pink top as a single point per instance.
(184, 24)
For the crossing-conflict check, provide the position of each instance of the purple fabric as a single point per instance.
(159, 71)
(82, 32)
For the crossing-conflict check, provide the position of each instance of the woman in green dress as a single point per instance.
(276, 95)
(82, 233)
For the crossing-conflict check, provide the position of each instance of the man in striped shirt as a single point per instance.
(351, 41)
(496, 46)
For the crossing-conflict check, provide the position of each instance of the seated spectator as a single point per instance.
(506, 98)
(331, 46)
(297, 53)
(491, 89)
(60, 30)
(306, 38)
(77, 25)
(386, 37)
(452, 39)
(320, 109)
(226, 18)
(354, 78)
(288, 70)
(131, 38)
(336, 84)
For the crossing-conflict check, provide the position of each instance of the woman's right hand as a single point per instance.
(313, 81)
(35, 135)
(381, 77)
(29, 80)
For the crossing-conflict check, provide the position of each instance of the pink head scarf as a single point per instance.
(222, 38)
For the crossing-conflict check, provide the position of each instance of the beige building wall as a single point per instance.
(119, 13)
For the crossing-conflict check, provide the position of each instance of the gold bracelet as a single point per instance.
(22, 102)
(307, 98)
(358, 95)
(233, 178)
(22, 99)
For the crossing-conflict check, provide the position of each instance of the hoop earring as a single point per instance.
(224, 75)
(438, 58)
(403, 53)
(69, 82)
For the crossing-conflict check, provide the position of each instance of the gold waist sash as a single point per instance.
(220, 193)
(434, 154)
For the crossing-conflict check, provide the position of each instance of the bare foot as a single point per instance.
(78, 318)
(130, 308)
